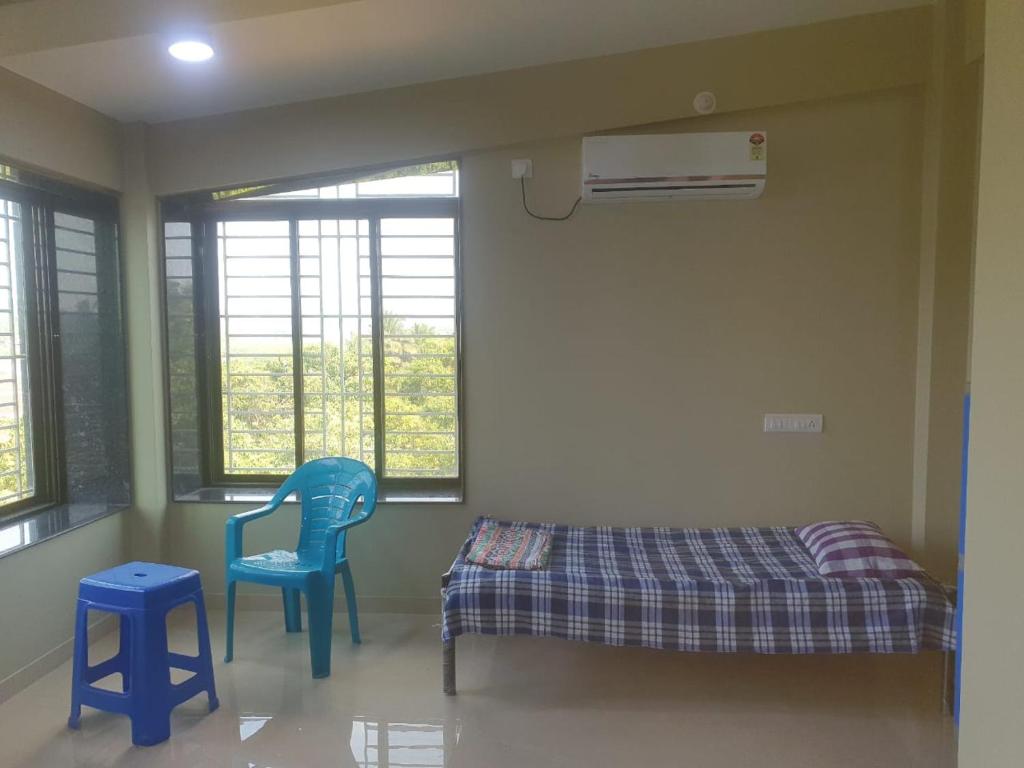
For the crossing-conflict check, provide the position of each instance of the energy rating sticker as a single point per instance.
(758, 150)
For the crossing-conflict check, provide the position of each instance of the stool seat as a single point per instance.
(138, 585)
(141, 594)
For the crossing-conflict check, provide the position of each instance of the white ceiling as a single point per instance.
(364, 45)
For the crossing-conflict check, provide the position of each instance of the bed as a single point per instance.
(716, 590)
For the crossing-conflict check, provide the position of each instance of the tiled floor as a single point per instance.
(522, 702)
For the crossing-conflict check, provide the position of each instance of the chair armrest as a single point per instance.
(253, 514)
(234, 528)
(331, 539)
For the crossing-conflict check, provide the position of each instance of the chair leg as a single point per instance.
(80, 664)
(203, 632)
(350, 601)
(229, 644)
(292, 609)
(320, 608)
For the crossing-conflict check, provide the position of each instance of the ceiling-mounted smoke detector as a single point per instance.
(704, 102)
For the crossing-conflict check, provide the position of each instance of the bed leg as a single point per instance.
(448, 666)
(947, 680)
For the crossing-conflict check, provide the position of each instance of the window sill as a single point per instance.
(31, 528)
(229, 495)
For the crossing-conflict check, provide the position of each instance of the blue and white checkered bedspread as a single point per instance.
(723, 590)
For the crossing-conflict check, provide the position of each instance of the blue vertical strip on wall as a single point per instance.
(960, 567)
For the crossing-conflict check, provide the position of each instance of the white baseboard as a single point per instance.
(267, 601)
(49, 661)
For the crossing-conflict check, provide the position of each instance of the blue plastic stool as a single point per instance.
(142, 594)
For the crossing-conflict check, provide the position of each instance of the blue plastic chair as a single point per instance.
(328, 490)
(142, 594)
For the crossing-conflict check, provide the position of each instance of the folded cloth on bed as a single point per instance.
(505, 546)
(721, 590)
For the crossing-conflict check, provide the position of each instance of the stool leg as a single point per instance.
(151, 679)
(124, 652)
(320, 607)
(229, 647)
(350, 601)
(203, 630)
(292, 609)
(80, 663)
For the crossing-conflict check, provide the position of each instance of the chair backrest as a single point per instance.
(329, 490)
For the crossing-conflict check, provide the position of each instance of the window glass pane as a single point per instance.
(420, 354)
(337, 339)
(17, 475)
(426, 180)
(93, 384)
(257, 386)
(181, 296)
(329, 271)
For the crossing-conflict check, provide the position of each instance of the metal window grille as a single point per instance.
(17, 473)
(420, 352)
(335, 330)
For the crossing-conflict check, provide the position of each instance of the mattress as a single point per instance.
(719, 590)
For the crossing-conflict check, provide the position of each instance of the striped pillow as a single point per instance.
(856, 549)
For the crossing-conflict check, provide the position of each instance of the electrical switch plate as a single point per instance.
(522, 168)
(793, 422)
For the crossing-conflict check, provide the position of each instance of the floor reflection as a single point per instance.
(250, 725)
(523, 702)
(380, 744)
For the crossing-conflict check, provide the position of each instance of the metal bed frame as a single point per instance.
(448, 662)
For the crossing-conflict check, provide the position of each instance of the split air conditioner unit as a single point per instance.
(692, 166)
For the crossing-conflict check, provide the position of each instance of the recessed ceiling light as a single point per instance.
(191, 50)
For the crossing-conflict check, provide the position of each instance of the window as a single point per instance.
(63, 409)
(17, 463)
(316, 321)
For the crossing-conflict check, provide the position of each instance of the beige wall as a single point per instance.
(974, 29)
(44, 130)
(952, 114)
(618, 365)
(853, 55)
(993, 642)
(139, 227)
(951, 322)
(37, 602)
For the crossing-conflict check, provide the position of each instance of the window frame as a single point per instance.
(40, 198)
(203, 215)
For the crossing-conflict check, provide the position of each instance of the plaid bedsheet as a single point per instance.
(722, 590)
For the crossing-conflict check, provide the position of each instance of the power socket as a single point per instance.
(522, 168)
